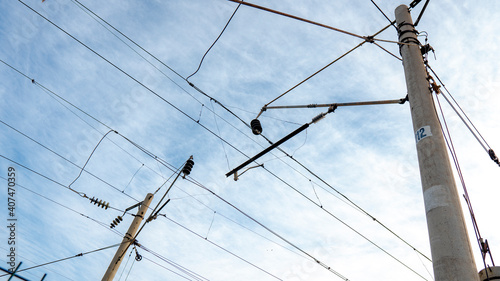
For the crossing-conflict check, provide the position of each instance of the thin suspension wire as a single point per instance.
(387, 51)
(130, 269)
(52, 180)
(90, 156)
(49, 269)
(343, 198)
(218, 130)
(179, 267)
(474, 132)
(128, 259)
(133, 177)
(391, 22)
(320, 70)
(130, 76)
(220, 247)
(105, 225)
(345, 224)
(220, 34)
(164, 267)
(235, 222)
(128, 38)
(67, 258)
(64, 158)
(298, 18)
(295, 246)
(310, 76)
(449, 142)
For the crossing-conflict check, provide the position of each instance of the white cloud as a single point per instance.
(367, 153)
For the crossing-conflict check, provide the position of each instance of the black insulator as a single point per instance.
(116, 221)
(100, 203)
(256, 127)
(187, 167)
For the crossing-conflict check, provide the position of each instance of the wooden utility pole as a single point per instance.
(450, 246)
(127, 239)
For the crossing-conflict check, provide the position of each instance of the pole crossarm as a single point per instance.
(284, 139)
(399, 101)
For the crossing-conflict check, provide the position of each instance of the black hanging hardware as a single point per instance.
(256, 127)
(116, 221)
(493, 156)
(186, 170)
(100, 203)
(426, 48)
(138, 257)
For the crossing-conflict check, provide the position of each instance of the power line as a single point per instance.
(474, 131)
(67, 258)
(64, 158)
(220, 247)
(105, 225)
(153, 92)
(179, 267)
(81, 194)
(382, 12)
(320, 70)
(299, 18)
(224, 29)
(270, 230)
(291, 157)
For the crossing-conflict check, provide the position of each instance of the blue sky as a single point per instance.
(366, 153)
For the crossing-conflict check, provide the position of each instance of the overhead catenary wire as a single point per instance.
(393, 23)
(62, 157)
(366, 38)
(133, 77)
(88, 159)
(67, 258)
(292, 244)
(81, 194)
(105, 225)
(220, 247)
(467, 122)
(177, 266)
(153, 92)
(449, 142)
(294, 159)
(320, 70)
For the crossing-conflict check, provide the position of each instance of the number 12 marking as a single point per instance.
(422, 133)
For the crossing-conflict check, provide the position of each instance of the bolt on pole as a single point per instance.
(450, 246)
(127, 239)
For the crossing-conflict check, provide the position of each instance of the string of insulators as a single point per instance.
(100, 203)
(186, 170)
(256, 127)
(116, 221)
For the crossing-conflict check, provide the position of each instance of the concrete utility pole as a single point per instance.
(127, 239)
(450, 246)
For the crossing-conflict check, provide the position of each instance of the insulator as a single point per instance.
(100, 203)
(256, 127)
(318, 118)
(187, 167)
(116, 221)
